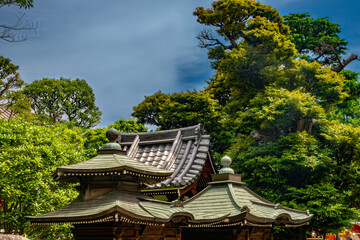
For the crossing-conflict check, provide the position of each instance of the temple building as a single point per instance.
(119, 192)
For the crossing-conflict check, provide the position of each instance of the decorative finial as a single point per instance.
(112, 134)
(225, 162)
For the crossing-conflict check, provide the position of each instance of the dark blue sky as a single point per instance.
(129, 49)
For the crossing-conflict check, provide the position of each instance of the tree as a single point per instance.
(9, 32)
(29, 157)
(313, 168)
(9, 77)
(237, 21)
(280, 109)
(254, 44)
(30, 154)
(10, 83)
(54, 98)
(319, 40)
(348, 111)
(176, 110)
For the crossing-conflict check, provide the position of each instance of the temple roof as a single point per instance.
(221, 203)
(182, 151)
(225, 202)
(111, 164)
(112, 160)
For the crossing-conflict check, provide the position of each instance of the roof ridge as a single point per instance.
(197, 195)
(181, 163)
(164, 131)
(234, 197)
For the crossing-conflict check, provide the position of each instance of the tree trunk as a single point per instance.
(344, 63)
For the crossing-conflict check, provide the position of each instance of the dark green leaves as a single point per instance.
(54, 98)
(318, 39)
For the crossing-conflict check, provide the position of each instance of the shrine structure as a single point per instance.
(116, 188)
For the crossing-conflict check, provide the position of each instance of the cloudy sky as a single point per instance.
(130, 49)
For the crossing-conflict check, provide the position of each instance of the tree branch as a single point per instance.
(345, 62)
(207, 39)
(7, 31)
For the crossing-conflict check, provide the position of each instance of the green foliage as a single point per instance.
(327, 203)
(53, 98)
(10, 83)
(95, 138)
(9, 77)
(177, 110)
(279, 111)
(316, 39)
(29, 157)
(327, 86)
(235, 20)
(19, 105)
(348, 111)
(279, 107)
(300, 171)
(259, 47)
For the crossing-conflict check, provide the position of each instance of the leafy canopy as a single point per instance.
(54, 98)
(29, 157)
(10, 83)
(9, 77)
(278, 111)
(316, 39)
(177, 110)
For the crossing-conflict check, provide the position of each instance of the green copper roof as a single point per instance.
(112, 162)
(230, 200)
(220, 202)
(225, 202)
(80, 210)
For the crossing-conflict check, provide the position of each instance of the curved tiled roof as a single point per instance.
(112, 162)
(220, 204)
(182, 151)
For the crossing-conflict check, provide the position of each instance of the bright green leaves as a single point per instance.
(29, 157)
(278, 106)
(327, 203)
(177, 110)
(295, 160)
(322, 83)
(53, 98)
(10, 83)
(299, 171)
(279, 111)
(231, 18)
(244, 24)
